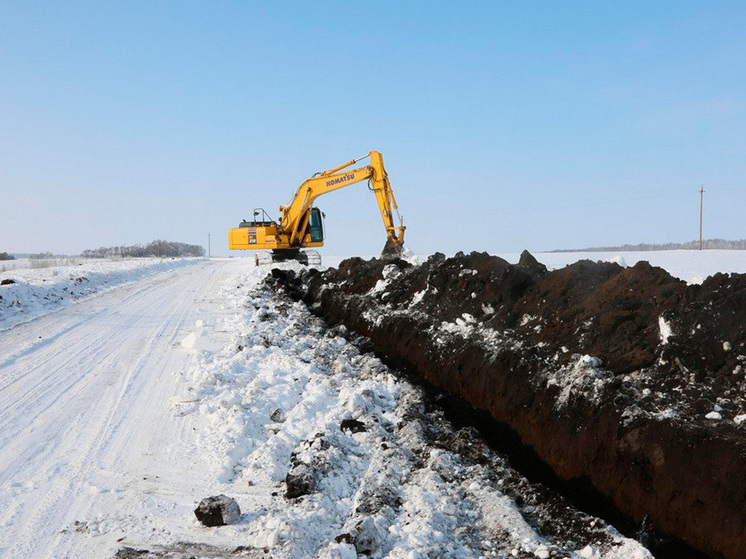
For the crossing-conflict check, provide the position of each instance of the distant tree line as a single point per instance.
(712, 244)
(6, 256)
(161, 249)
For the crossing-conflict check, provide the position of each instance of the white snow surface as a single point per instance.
(38, 291)
(665, 330)
(120, 413)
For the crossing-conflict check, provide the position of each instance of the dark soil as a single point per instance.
(626, 380)
(218, 510)
(184, 550)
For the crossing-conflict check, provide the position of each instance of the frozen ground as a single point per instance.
(120, 412)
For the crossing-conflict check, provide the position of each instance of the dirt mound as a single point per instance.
(626, 377)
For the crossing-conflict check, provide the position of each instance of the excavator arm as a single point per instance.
(295, 215)
(386, 204)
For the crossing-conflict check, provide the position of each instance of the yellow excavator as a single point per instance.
(301, 225)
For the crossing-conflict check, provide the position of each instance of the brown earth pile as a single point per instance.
(626, 377)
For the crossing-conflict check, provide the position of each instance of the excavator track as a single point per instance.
(263, 258)
(310, 258)
(313, 258)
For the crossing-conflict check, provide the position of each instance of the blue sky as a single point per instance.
(503, 126)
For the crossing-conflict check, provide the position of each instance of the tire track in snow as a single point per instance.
(80, 393)
(129, 391)
(81, 441)
(50, 331)
(58, 368)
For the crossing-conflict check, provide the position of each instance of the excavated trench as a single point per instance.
(622, 387)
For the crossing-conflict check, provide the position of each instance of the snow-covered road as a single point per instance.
(120, 412)
(84, 396)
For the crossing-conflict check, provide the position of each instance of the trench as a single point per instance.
(610, 438)
(506, 442)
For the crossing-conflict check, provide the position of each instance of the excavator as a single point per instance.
(301, 224)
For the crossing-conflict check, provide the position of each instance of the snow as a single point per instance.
(465, 327)
(584, 376)
(200, 339)
(129, 396)
(38, 291)
(417, 297)
(665, 330)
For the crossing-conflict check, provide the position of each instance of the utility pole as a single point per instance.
(701, 206)
(208, 244)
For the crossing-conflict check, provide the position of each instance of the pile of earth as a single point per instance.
(624, 378)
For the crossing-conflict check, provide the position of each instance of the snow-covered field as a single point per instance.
(692, 266)
(120, 412)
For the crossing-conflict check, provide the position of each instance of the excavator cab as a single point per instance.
(316, 226)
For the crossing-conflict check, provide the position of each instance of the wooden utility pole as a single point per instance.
(701, 206)
(208, 244)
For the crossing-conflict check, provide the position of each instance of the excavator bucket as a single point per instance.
(392, 249)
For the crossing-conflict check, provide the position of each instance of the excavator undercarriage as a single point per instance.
(310, 258)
